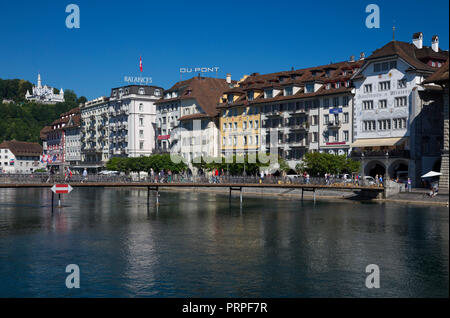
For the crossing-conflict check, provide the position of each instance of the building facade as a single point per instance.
(132, 120)
(20, 157)
(95, 133)
(290, 112)
(387, 106)
(72, 147)
(187, 118)
(44, 94)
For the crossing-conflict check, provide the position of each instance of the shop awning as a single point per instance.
(379, 142)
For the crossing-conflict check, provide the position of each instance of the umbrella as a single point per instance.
(431, 174)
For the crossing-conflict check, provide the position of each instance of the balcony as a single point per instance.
(334, 124)
(297, 143)
(302, 126)
(383, 154)
(273, 113)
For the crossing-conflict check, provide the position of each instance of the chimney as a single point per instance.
(229, 78)
(352, 58)
(435, 43)
(418, 39)
(361, 56)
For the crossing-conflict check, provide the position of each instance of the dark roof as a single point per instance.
(296, 78)
(44, 131)
(134, 89)
(205, 90)
(194, 116)
(410, 53)
(22, 148)
(440, 76)
(74, 121)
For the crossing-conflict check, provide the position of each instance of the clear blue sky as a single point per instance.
(240, 37)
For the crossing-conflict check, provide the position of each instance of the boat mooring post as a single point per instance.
(240, 190)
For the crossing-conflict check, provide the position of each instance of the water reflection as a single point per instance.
(202, 245)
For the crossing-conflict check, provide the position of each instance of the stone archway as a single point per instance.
(398, 168)
(374, 168)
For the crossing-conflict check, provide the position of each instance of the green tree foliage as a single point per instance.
(14, 89)
(156, 162)
(320, 163)
(24, 120)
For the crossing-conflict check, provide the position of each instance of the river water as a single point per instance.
(201, 245)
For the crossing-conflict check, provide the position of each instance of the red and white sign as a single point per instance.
(163, 137)
(62, 188)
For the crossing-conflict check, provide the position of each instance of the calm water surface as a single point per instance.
(200, 245)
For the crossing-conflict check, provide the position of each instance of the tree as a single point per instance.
(81, 100)
(320, 163)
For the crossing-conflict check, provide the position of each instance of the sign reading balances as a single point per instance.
(138, 79)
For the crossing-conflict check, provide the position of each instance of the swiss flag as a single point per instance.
(140, 63)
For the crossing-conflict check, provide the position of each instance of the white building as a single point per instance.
(187, 118)
(44, 94)
(72, 140)
(95, 132)
(387, 103)
(20, 157)
(132, 120)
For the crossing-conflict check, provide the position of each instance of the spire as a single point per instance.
(393, 33)
(39, 80)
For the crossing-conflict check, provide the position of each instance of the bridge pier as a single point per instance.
(148, 194)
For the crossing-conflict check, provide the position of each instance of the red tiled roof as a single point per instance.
(22, 148)
(440, 76)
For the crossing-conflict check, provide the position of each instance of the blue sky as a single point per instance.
(240, 37)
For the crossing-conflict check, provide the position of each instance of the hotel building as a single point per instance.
(388, 107)
(303, 110)
(95, 133)
(132, 117)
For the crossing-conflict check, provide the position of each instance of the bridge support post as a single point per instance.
(59, 200)
(229, 197)
(240, 194)
(303, 190)
(157, 196)
(314, 194)
(148, 196)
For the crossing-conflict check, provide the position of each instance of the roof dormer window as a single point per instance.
(141, 91)
(288, 91)
(250, 95)
(268, 93)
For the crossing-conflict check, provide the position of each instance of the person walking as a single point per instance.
(381, 180)
(169, 176)
(51, 172)
(85, 175)
(68, 174)
(409, 184)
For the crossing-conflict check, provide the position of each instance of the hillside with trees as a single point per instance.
(22, 120)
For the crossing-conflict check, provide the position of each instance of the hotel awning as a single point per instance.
(379, 142)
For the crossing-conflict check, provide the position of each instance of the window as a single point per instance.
(235, 125)
(326, 102)
(268, 93)
(141, 91)
(368, 104)
(400, 101)
(326, 119)
(336, 101)
(369, 125)
(256, 124)
(245, 140)
(244, 125)
(346, 118)
(141, 134)
(234, 140)
(250, 124)
(384, 124)
(288, 91)
(314, 119)
(224, 126)
(309, 88)
(384, 86)
(346, 135)
(250, 95)
(382, 103)
(141, 107)
(141, 121)
(345, 100)
(141, 145)
(401, 83)
(315, 136)
(368, 88)
(157, 92)
(230, 98)
(256, 140)
(399, 123)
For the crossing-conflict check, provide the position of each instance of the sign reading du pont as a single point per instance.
(199, 69)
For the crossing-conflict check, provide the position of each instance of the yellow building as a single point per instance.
(240, 123)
